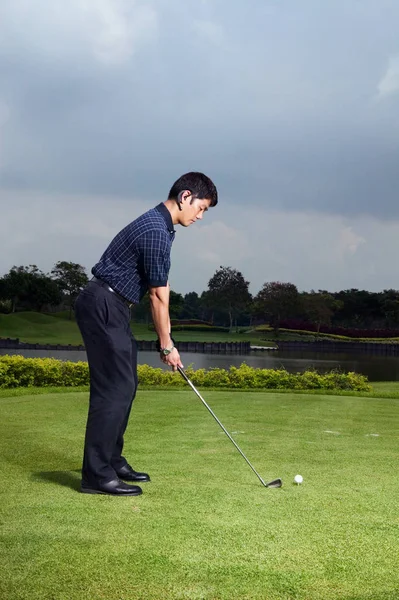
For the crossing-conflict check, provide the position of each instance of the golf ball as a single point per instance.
(298, 478)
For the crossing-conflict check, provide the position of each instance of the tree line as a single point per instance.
(28, 288)
(226, 301)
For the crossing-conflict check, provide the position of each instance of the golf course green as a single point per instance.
(41, 328)
(204, 528)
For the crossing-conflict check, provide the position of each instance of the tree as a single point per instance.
(15, 286)
(207, 312)
(43, 291)
(30, 288)
(191, 307)
(319, 307)
(141, 312)
(5, 302)
(176, 302)
(390, 307)
(71, 278)
(359, 308)
(228, 292)
(277, 301)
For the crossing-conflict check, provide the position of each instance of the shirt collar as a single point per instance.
(166, 215)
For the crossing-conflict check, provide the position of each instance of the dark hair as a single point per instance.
(198, 184)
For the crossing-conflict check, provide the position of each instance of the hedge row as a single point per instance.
(206, 328)
(332, 337)
(196, 327)
(17, 371)
(311, 336)
(174, 322)
(351, 332)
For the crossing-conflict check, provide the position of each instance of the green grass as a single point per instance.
(58, 329)
(312, 336)
(39, 328)
(204, 528)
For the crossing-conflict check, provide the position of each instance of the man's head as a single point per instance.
(192, 194)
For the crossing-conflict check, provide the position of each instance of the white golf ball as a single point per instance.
(298, 478)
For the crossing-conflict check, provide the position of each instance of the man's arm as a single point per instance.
(159, 301)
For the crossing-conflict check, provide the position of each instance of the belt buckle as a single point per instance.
(124, 300)
(110, 289)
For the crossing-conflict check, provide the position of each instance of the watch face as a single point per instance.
(165, 351)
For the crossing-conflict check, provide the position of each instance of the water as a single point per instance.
(376, 367)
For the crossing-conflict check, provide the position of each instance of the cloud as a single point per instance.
(42, 228)
(5, 115)
(389, 84)
(210, 31)
(108, 31)
(5, 112)
(349, 242)
(109, 101)
(311, 250)
(116, 28)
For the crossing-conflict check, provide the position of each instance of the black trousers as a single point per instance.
(104, 322)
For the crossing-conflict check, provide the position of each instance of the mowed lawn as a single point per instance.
(42, 328)
(204, 528)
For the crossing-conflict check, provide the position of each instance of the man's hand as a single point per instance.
(172, 359)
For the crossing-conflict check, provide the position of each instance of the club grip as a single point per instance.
(182, 373)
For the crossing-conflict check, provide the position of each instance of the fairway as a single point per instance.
(204, 528)
(42, 328)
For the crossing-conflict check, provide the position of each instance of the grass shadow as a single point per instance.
(69, 479)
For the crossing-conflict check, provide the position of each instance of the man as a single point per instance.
(136, 261)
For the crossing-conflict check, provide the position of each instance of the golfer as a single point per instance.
(136, 261)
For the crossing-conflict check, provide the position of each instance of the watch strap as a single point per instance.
(158, 345)
(166, 351)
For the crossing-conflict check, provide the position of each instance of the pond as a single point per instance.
(376, 367)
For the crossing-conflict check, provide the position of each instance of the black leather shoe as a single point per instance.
(129, 474)
(116, 487)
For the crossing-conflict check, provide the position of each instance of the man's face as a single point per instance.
(191, 213)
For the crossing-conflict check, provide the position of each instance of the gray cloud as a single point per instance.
(280, 99)
(311, 250)
(289, 106)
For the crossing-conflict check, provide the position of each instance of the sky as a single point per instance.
(292, 108)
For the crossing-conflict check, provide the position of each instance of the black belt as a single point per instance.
(105, 285)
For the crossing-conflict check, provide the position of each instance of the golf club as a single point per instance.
(276, 483)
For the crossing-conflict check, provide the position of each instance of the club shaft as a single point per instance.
(183, 374)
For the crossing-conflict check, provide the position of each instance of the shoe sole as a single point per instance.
(135, 480)
(93, 491)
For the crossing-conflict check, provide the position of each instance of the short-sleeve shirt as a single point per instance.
(139, 255)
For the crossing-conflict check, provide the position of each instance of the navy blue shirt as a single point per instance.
(139, 255)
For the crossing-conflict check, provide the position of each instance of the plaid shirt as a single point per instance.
(139, 255)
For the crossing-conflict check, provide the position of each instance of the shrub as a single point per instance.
(351, 332)
(17, 371)
(309, 334)
(174, 322)
(195, 327)
(207, 328)
(5, 306)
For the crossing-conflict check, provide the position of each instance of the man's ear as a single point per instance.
(183, 196)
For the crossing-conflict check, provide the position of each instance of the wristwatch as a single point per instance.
(166, 351)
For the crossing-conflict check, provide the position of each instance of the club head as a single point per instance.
(276, 483)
